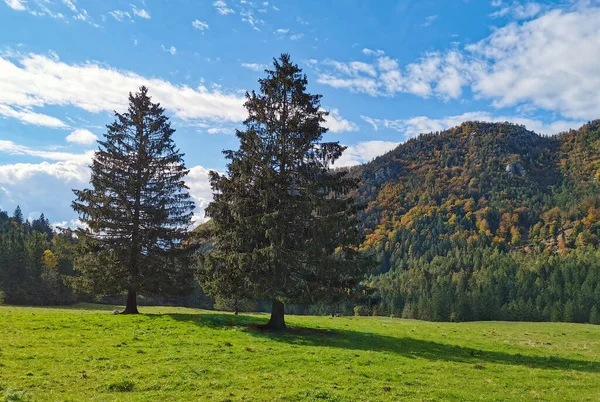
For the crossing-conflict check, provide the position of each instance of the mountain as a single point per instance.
(447, 207)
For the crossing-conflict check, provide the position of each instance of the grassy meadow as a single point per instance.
(167, 354)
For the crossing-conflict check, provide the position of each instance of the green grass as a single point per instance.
(166, 354)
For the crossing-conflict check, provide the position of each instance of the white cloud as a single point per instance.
(11, 148)
(546, 63)
(40, 8)
(549, 63)
(222, 8)
(198, 182)
(120, 15)
(364, 152)
(27, 116)
(438, 74)
(38, 80)
(71, 5)
(429, 20)
(255, 66)
(82, 136)
(220, 130)
(200, 25)
(171, 49)
(250, 19)
(46, 186)
(300, 21)
(141, 13)
(422, 124)
(282, 33)
(337, 124)
(371, 52)
(17, 5)
(518, 11)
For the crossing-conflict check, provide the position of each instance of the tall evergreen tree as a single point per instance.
(284, 225)
(138, 209)
(18, 216)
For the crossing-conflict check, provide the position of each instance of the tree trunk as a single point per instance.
(131, 306)
(277, 321)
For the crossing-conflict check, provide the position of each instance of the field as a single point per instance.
(166, 354)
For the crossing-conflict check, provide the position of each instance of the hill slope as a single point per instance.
(481, 197)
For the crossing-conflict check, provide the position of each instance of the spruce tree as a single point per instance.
(283, 223)
(18, 216)
(137, 210)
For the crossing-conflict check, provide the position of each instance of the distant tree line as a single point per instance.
(489, 284)
(35, 261)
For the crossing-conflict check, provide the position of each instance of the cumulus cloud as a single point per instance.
(46, 186)
(414, 126)
(544, 63)
(364, 152)
(33, 80)
(440, 74)
(82, 136)
(337, 124)
(200, 190)
(43, 187)
(549, 62)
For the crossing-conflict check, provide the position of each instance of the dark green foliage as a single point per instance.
(18, 216)
(284, 227)
(594, 316)
(137, 210)
(24, 277)
(488, 284)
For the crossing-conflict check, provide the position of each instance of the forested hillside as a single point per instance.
(486, 221)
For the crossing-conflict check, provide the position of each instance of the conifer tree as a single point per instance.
(137, 210)
(18, 216)
(283, 223)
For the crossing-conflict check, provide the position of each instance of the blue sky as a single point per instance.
(387, 70)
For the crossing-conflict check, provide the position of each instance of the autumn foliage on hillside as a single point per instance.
(482, 189)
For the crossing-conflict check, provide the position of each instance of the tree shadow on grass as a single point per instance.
(402, 345)
(218, 320)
